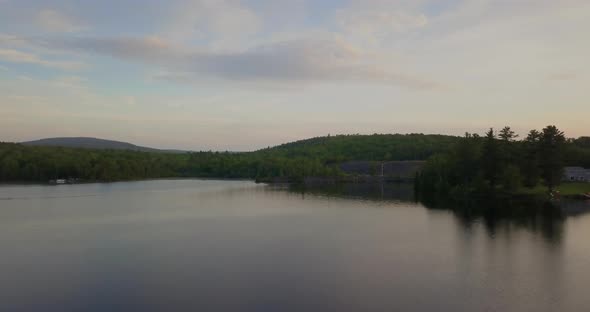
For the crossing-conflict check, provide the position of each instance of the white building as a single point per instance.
(578, 174)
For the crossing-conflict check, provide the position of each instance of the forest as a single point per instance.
(377, 147)
(313, 157)
(500, 163)
(497, 160)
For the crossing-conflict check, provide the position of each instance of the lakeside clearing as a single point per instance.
(568, 189)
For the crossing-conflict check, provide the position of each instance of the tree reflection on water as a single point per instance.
(533, 214)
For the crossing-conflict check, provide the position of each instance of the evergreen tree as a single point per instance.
(509, 154)
(530, 161)
(491, 158)
(467, 155)
(507, 135)
(551, 146)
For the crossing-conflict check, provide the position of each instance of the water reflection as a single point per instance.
(544, 218)
(192, 245)
(366, 191)
(536, 215)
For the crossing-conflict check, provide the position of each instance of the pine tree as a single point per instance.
(551, 146)
(491, 157)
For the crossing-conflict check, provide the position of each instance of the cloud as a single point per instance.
(16, 56)
(12, 40)
(70, 82)
(55, 21)
(376, 21)
(379, 23)
(210, 17)
(563, 76)
(297, 60)
(147, 49)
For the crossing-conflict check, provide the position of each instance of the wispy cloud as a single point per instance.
(223, 18)
(71, 82)
(297, 60)
(7, 40)
(379, 23)
(56, 21)
(16, 56)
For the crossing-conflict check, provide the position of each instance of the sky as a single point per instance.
(242, 75)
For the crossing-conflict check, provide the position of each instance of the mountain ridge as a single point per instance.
(96, 143)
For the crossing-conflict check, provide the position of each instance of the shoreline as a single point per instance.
(311, 182)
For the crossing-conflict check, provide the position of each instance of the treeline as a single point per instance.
(317, 157)
(577, 152)
(41, 163)
(377, 147)
(255, 165)
(499, 162)
(471, 162)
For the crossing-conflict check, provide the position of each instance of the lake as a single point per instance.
(201, 245)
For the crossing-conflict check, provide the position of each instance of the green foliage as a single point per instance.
(574, 188)
(582, 142)
(578, 152)
(456, 164)
(564, 189)
(293, 161)
(510, 178)
(255, 165)
(507, 135)
(36, 163)
(551, 151)
(491, 157)
(489, 164)
(530, 159)
(379, 147)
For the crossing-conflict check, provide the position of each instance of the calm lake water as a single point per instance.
(193, 245)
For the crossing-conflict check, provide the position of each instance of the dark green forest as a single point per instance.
(377, 147)
(41, 163)
(498, 162)
(458, 161)
(293, 161)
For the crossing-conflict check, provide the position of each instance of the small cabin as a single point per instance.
(576, 174)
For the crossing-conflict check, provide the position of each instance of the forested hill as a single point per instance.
(313, 157)
(331, 148)
(316, 157)
(95, 143)
(379, 147)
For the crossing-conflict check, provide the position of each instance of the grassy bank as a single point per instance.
(565, 189)
(574, 188)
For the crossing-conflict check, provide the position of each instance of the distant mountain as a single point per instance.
(94, 143)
